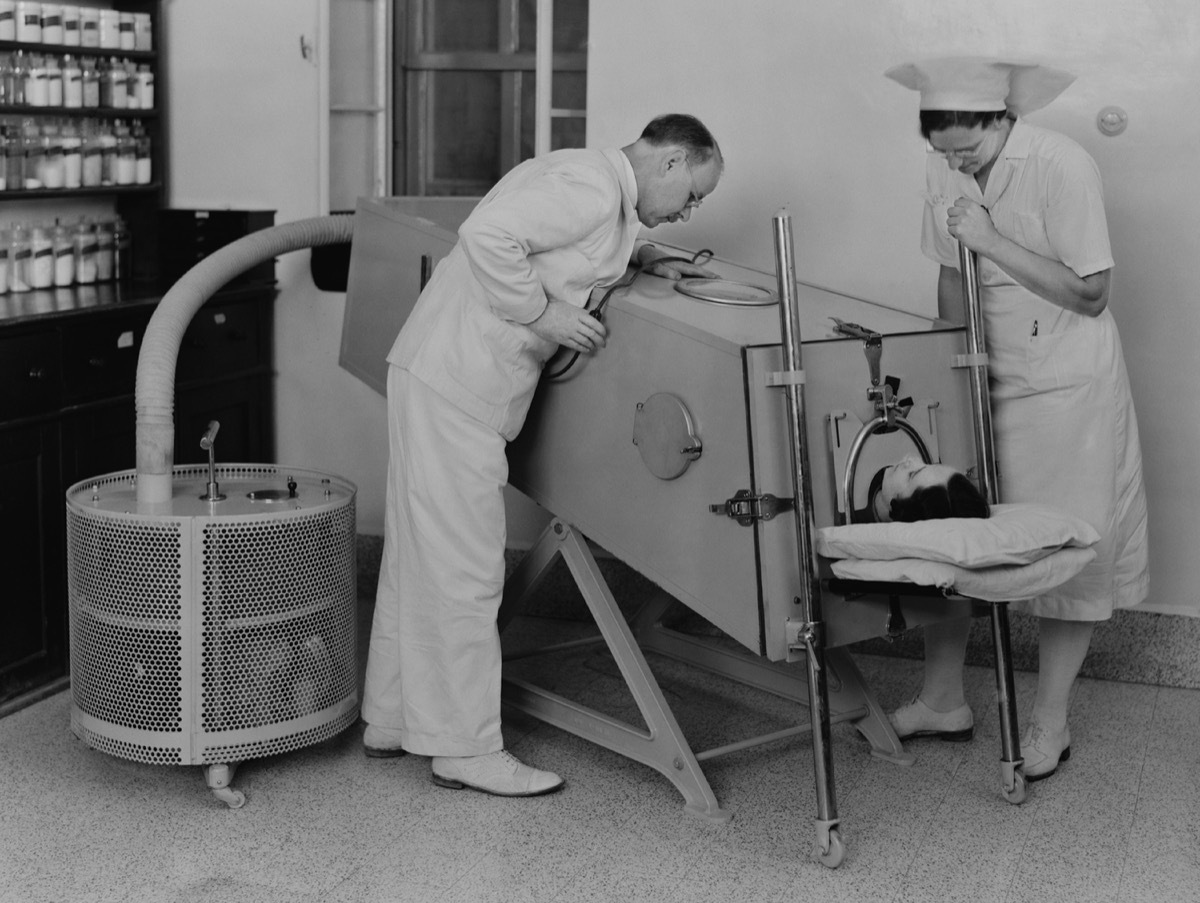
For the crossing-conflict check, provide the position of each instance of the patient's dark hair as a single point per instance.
(958, 498)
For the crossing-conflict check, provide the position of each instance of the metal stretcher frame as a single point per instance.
(831, 687)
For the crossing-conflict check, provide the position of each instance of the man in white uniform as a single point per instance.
(463, 372)
(1030, 203)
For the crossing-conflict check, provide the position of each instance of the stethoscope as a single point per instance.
(702, 256)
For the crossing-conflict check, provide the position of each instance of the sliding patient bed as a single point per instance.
(682, 450)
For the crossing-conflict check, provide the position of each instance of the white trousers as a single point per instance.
(433, 667)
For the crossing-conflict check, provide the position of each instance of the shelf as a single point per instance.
(8, 109)
(90, 191)
(145, 56)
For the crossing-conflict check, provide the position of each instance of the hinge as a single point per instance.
(746, 508)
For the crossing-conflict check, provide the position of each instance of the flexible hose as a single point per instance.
(155, 387)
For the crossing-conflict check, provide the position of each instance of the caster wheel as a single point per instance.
(1017, 792)
(833, 856)
(234, 799)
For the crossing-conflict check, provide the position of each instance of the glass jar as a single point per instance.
(64, 255)
(35, 155)
(54, 82)
(72, 77)
(105, 251)
(41, 250)
(126, 173)
(52, 23)
(89, 26)
(36, 86)
(92, 157)
(19, 258)
(72, 146)
(29, 22)
(53, 165)
(122, 252)
(70, 19)
(145, 165)
(85, 253)
(110, 29)
(91, 84)
(14, 160)
(8, 26)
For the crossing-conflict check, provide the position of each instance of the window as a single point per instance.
(457, 93)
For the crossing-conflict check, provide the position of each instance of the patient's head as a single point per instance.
(911, 490)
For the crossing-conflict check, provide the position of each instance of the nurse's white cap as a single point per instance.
(978, 84)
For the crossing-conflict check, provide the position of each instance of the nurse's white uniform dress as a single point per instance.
(1065, 429)
(463, 372)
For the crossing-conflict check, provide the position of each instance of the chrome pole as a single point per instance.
(985, 449)
(1012, 779)
(811, 630)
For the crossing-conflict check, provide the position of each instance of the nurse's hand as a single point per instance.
(970, 223)
(570, 326)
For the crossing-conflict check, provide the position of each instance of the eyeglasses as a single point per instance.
(960, 153)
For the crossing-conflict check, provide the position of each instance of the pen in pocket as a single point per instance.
(1034, 328)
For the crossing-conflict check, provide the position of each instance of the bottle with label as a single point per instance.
(122, 252)
(126, 156)
(6, 78)
(85, 253)
(5, 240)
(52, 23)
(53, 165)
(91, 83)
(118, 81)
(145, 86)
(41, 247)
(108, 155)
(110, 29)
(70, 20)
(143, 36)
(145, 164)
(17, 93)
(35, 155)
(54, 82)
(36, 86)
(64, 255)
(14, 160)
(8, 24)
(89, 26)
(93, 163)
(72, 146)
(72, 77)
(105, 252)
(29, 22)
(19, 260)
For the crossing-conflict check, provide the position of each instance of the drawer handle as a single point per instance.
(37, 373)
(98, 362)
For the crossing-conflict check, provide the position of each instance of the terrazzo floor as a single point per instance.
(1120, 822)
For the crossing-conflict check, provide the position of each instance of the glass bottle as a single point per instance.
(108, 155)
(64, 255)
(14, 160)
(53, 165)
(85, 253)
(36, 86)
(18, 260)
(35, 155)
(72, 75)
(145, 172)
(118, 85)
(6, 78)
(126, 157)
(91, 83)
(41, 247)
(17, 95)
(105, 251)
(54, 82)
(145, 86)
(72, 146)
(122, 252)
(92, 156)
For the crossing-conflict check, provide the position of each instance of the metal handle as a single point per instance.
(208, 442)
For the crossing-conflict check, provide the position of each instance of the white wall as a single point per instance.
(246, 131)
(795, 94)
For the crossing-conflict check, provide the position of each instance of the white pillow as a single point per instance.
(1014, 534)
(1002, 583)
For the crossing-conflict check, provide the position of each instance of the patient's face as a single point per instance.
(904, 477)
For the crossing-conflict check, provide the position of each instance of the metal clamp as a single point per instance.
(746, 508)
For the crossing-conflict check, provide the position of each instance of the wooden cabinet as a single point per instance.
(67, 413)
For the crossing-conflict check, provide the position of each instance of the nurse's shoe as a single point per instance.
(498, 773)
(918, 720)
(1042, 750)
(382, 742)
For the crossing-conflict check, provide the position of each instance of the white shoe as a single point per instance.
(918, 720)
(382, 742)
(498, 773)
(1043, 751)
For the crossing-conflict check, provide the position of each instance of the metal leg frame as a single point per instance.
(1012, 778)
(662, 746)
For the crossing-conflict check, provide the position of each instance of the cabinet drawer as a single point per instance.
(100, 358)
(29, 375)
(220, 340)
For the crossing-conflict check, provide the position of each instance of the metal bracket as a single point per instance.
(746, 508)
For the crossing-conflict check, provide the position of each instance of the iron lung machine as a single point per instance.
(672, 449)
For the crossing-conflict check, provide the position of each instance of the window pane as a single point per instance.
(461, 25)
(351, 159)
(570, 92)
(464, 121)
(570, 25)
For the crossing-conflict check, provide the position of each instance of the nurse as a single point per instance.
(1029, 202)
(461, 377)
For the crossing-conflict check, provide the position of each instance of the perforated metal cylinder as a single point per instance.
(212, 631)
